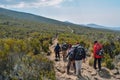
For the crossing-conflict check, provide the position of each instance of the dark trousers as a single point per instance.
(57, 55)
(99, 63)
(69, 64)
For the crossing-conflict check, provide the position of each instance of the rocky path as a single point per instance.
(88, 73)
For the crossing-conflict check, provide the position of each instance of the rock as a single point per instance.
(1, 77)
(115, 72)
(60, 70)
(87, 75)
(69, 78)
(96, 78)
(113, 76)
(89, 70)
(94, 73)
(118, 64)
(104, 73)
(117, 76)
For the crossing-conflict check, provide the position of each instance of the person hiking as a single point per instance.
(64, 48)
(57, 51)
(96, 50)
(70, 56)
(80, 56)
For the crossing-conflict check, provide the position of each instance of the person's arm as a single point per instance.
(55, 49)
(68, 53)
(59, 48)
(94, 50)
(84, 55)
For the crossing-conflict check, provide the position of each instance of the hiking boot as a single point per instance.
(95, 68)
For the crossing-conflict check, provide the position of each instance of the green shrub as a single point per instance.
(108, 61)
(91, 61)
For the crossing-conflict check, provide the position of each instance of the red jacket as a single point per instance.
(97, 46)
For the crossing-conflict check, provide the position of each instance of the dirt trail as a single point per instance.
(88, 73)
(60, 66)
(70, 29)
(51, 48)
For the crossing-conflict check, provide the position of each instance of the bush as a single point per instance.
(91, 62)
(108, 62)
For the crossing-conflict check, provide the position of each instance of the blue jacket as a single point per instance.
(57, 48)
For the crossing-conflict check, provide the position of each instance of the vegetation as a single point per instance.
(25, 41)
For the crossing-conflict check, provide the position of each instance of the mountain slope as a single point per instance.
(28, 16)
(95, 26)
(102, 27)
(8, 16)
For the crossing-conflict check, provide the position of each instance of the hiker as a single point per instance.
(97, 47)
(64, 50)
(80, 56)
(57, 50)
(70, 56)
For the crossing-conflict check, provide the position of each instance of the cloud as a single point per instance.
(32, 4)
(8, 0)
(19, 5)
(70, 0)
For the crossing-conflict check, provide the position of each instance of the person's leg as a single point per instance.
(68, 66)
(95, 60)
(80, 65)
(64, 55)
(56, 55)
(99, 63)
(77, 67)
(59, 55)
(74, 66)
(65, 59)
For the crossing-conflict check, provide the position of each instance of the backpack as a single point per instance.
(100, 52)
(79, 52)
(64, 47)
(71, 54)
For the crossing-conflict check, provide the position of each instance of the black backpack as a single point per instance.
(64, 47)
(79, 52)
(100, 52)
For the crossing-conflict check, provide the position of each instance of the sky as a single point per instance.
(102, 12)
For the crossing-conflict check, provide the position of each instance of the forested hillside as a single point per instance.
(25, 39)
